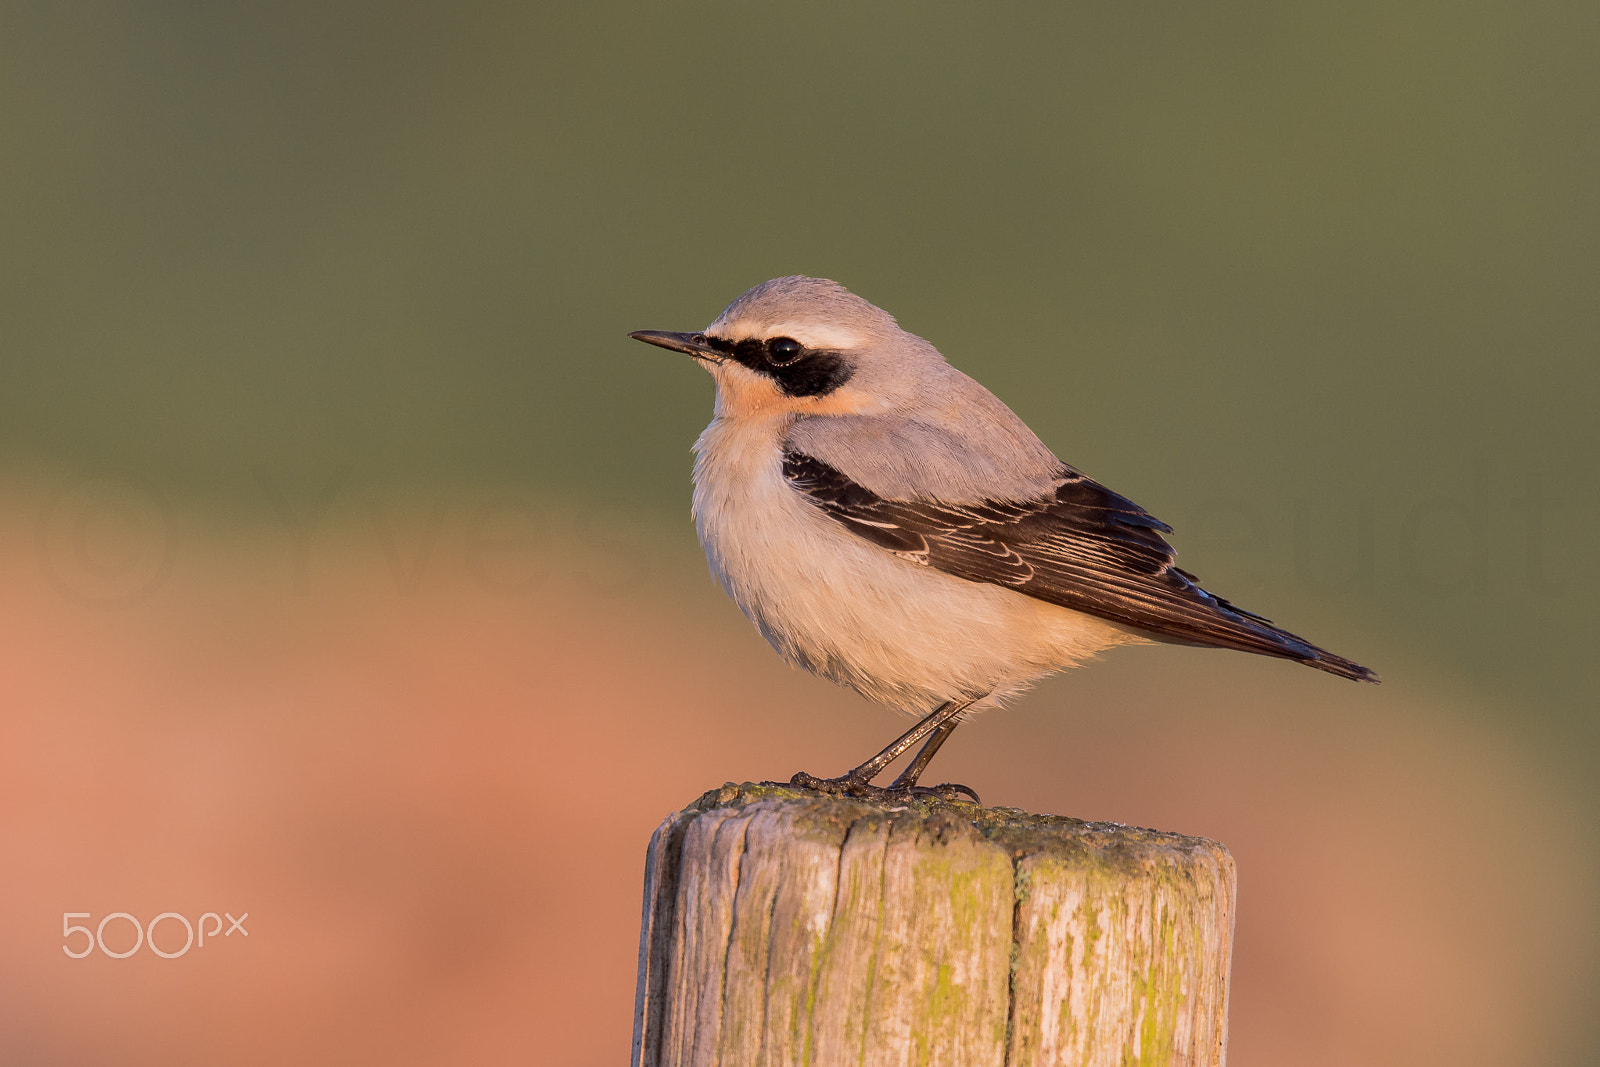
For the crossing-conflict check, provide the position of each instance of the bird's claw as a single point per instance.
(849, 786)
(953, 791)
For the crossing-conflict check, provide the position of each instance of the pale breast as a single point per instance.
(893, 630)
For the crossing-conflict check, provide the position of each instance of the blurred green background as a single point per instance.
(1316, 284)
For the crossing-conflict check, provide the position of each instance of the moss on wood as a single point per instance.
(807, 929)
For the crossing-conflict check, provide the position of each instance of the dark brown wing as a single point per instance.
(1082, 547)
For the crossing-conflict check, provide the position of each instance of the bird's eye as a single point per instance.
(782, 351)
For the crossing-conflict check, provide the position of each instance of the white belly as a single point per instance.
(897, 632)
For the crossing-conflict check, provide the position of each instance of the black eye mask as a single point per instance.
(798, 370)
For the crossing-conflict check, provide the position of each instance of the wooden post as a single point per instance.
(784, 927)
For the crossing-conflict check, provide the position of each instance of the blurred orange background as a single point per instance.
(430, 784)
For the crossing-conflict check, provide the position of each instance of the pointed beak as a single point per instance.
(693, 344)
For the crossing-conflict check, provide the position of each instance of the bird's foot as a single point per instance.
(847, 785)
(946, 791)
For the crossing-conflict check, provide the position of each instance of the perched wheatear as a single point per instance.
(886, 522)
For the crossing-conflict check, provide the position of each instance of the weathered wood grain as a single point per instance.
(782, 927)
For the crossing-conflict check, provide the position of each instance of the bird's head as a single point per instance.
(806, 346)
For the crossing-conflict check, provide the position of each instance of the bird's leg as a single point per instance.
(858, 781)
(913, 771)
(908, 777)
(946, 791)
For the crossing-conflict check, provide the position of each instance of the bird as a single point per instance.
(889, 524)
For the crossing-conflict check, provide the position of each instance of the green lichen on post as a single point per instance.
(949, 932)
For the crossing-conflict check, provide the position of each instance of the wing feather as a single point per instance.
(1082, 547)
